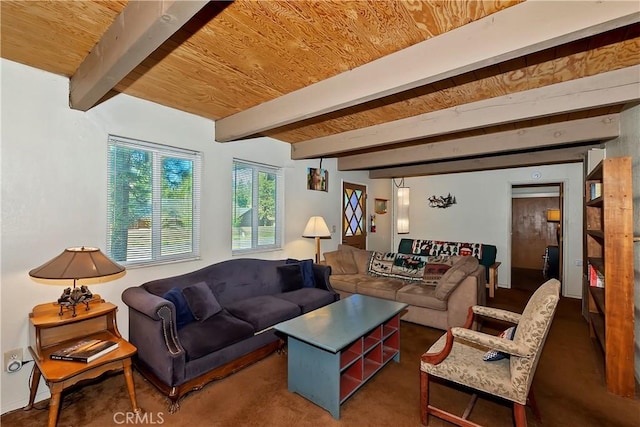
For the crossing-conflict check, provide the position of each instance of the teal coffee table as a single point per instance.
(334, 350)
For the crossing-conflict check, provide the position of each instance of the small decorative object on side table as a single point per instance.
(49, 332)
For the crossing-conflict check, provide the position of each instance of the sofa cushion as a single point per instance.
(399, 266)
(421, 295)
(308, 299)
(201, 301)
(361, 257)
(201, 338)
(264, 311)
(348, 282)
(456, 274)
(380, 287)
(290, 277)
(341, 262)
(183, 312)
(306, 268)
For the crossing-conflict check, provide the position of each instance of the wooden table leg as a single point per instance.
(128, 376)
(35, 380)
(54, 403)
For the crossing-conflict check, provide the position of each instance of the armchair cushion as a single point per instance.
(183, 312)
(201, 301)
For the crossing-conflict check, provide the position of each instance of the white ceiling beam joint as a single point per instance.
(141, 28)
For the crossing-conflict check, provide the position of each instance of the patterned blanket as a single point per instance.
(435, 247)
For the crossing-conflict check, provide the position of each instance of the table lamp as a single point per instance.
(317, 228)
(77, 263)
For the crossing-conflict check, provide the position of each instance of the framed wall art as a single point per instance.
(317, 179)
(380, 206)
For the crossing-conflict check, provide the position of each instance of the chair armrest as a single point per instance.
(491, 341)
(497, 313)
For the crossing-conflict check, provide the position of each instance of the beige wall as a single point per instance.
(628, 144)
(54, 180)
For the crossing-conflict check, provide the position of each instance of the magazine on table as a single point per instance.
(85, 350)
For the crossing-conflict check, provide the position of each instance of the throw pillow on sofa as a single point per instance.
(183, 312)
(201, 301)
(290, 277)
(454, 276)
(341, 262)
(306, 269)
(437, 266)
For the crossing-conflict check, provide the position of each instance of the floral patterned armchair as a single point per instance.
(458, 357)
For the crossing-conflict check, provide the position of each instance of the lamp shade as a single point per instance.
(316, 227)
(402, 216)
(553, 215)
(77, 263)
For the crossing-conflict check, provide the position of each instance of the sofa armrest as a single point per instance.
(158, 313)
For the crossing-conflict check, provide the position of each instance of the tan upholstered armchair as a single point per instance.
(458, 356)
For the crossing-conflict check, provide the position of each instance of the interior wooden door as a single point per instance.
(354, 215)
(531, 233)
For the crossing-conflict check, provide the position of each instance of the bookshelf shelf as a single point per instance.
(608, 269)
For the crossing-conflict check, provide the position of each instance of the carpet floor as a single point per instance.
(568, 385)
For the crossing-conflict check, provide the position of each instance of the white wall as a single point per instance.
(628, 144)
(53, 174)
(483, 213)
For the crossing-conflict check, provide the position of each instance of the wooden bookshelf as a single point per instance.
(608, 248)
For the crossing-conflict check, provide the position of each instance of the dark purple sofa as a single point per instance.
(249, 297)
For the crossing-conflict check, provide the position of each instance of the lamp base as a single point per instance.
(72, 297)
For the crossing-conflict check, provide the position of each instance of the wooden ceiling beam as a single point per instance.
(575, 131)
(139, 30)
(610, 88)
(560, 155)
(531, 26)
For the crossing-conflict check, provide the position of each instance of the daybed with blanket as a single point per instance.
(486, 254)
(207, 324)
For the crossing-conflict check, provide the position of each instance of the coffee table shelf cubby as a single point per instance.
(334, 350)
(367, 355)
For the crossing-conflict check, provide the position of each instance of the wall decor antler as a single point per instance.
(442, 201)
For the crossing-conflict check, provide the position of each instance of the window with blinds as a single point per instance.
(153, 202)
(256, 207)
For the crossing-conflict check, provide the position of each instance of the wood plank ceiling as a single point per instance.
(231, 59)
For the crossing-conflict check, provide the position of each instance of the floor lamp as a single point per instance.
(317, 228)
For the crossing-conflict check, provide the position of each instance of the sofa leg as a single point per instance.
(174, 404)
(282, 347)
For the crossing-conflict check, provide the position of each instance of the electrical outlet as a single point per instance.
(13, 360)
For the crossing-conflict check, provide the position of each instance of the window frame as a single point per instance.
(158, 152)
(256, 169)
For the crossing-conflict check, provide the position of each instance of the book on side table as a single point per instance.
(85, 350)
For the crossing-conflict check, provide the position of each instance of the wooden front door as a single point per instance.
(354, 215)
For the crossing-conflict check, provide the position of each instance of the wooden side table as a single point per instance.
(49, 331)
